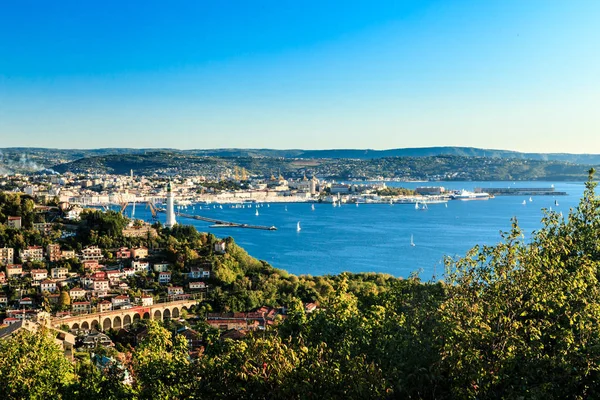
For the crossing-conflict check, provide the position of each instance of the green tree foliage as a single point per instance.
(522, 320)
(64, 300)
(160, 363)
(32, 366)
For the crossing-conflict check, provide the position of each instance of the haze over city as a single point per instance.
(508, 75)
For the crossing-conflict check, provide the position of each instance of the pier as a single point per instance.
(220, 223)
(512, 191)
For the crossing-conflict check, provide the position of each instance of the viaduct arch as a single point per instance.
(117, 319)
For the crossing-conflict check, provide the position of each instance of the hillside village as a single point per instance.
(51, 272)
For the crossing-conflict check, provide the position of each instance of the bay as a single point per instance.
(376, 237)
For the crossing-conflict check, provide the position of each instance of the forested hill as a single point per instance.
(404, 168)
(26, 159)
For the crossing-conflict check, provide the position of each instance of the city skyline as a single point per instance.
(512, 75)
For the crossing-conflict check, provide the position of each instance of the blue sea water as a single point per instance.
(376, 237)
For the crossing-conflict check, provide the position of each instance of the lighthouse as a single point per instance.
(170, 208)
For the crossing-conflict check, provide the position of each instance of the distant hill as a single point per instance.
(443, 167)
(450, 151)
(26, 159)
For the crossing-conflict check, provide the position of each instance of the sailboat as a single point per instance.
(530, 199)
(412, 243)
(357, 204)
(312, 207)
(524, 202)
(285, 208)
(221, 206)
(417, 205)
(256, 213)
(446, 205)
(391, 202)
(556, 203)
(298, 229)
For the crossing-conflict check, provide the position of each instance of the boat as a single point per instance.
(298, 227)
(530, 199)
(412, 243)
(466, 195)
(285, 208)
(417, 205)
(312, 207)
(357, 204)
(556, 203)
(256, 213)
(446, 205)
(524, 202)
(391, 202)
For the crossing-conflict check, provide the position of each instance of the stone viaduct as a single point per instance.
(117, 319)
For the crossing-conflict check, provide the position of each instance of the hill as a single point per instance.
(401, 168)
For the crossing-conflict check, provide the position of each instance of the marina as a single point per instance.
(375, 237)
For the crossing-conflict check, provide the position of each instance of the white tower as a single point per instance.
(170, 208)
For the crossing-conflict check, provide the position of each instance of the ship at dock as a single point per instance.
(466, 195)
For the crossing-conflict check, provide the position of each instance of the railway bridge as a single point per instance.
(122, 318)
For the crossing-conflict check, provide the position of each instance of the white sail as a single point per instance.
(298, 227)
(417, 205)
(312, 207)
(256, 213)
(412, 243)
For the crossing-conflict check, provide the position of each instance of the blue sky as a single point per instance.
(520, 75)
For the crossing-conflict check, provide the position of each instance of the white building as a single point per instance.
(38, 275)
(120, 300)
(77, 293)
(7, 255)
(14, 222)
(101, 285)
(48, 286)
(32, 253)
(174, 290)
(59, 273)
(91, 253)
(199, 273)
(161, 267)
(147, 300)
(140, 266)
(81, 307)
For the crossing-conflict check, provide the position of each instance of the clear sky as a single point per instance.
(507, 74)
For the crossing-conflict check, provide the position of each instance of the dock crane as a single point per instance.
(152, 210)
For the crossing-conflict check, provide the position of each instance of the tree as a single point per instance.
(160, 364)
(522, 320)
(32, 366)
(64, 300)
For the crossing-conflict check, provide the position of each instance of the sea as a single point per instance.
(377, 237)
